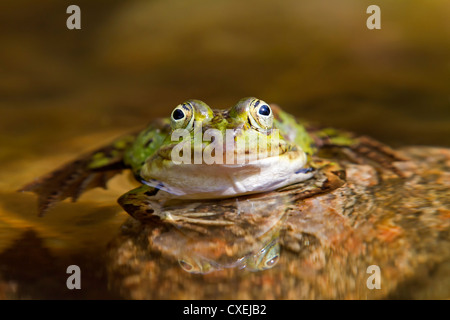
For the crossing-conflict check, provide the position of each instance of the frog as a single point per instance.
(272, 150)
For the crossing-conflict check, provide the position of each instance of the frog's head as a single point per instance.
(236, 136)
(221, 153)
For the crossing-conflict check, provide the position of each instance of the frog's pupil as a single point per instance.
(264, 110)
(178, 114)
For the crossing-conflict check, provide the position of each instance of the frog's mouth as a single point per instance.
(207, 181)
(229, 154)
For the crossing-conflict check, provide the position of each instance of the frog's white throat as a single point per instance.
(201, 181)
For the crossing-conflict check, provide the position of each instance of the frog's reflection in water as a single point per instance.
(265, 258)
(232, 233)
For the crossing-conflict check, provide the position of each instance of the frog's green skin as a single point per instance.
(148, 155)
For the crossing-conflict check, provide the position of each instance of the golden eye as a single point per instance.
(186, 265)
(261, 115)
(182, 116)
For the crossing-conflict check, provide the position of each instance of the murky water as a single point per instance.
(63, 93)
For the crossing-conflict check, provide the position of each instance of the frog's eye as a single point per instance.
(186, 265)
(261, 115)
(182, 116)
(272, 261)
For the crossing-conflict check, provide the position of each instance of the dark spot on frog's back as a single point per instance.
(151, 192)
(148, 143)
(130, 208)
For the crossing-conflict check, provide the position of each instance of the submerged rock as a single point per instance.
(328, 242)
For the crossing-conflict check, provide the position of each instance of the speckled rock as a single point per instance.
(327, 243)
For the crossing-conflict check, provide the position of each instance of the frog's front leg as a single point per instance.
(148, 204)
(141, 203)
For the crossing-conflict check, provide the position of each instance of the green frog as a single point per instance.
(201, 153)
